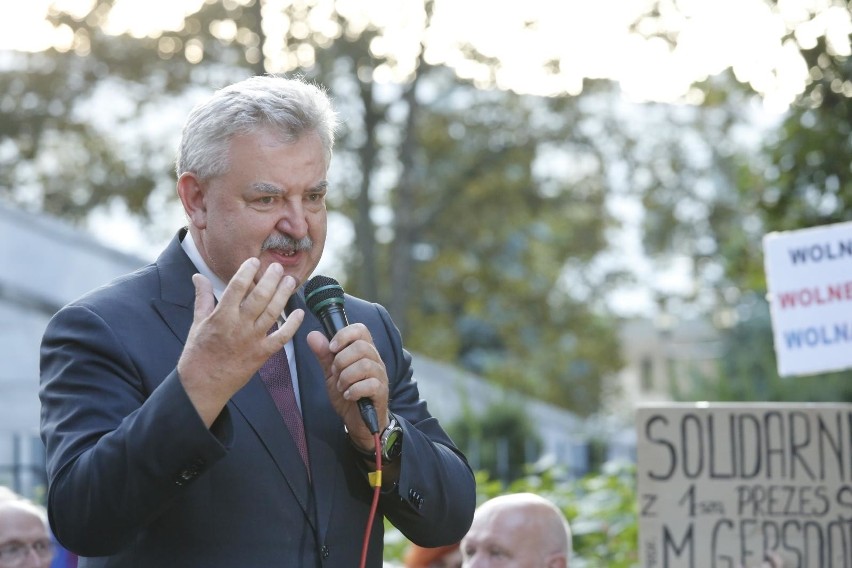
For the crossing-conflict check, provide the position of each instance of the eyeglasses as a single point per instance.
(14, 553)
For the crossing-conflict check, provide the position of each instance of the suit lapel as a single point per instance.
(323, 427)
(256, 406)
(177, 294)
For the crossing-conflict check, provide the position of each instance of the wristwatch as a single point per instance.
(391, 440)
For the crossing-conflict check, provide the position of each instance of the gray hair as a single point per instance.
(289, 107)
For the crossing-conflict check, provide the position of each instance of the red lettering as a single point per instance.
(805, 297)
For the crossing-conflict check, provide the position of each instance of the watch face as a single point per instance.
(392, 444)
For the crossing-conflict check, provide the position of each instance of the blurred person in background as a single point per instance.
(24, 536)
(520, 530)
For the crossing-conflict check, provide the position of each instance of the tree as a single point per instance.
(418, 156)
(716, 209)
(501, 441)
(801, 177)
(808, 180)
(747, 368)
(64, 110)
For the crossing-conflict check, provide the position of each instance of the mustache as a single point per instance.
(286, 242)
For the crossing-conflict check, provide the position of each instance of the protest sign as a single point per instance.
(721, 485)
(809, 280)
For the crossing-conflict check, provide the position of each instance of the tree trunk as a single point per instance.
(365, 231)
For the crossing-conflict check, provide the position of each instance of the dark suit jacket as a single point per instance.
(136, 479)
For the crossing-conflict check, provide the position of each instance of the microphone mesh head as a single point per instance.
(321, 291)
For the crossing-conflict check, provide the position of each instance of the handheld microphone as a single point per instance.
(324, 297)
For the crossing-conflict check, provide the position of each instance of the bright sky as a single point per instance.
(591, 38)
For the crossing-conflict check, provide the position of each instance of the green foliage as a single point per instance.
(601, 509)
(65, 113)
(748, 371)
(808, 179)
(800, 177)
(487, 209)
(710, 194)
(498, 441)
(444, 182)
(499, 239)
(797, 176)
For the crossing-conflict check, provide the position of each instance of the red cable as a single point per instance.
(375, 505)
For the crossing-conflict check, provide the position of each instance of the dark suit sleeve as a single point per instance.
(434, 500)
(117, 454)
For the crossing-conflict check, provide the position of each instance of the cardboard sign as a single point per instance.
(722, 485)
(809, 279)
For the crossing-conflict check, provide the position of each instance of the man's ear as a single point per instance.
(193, 195)
(557, 560)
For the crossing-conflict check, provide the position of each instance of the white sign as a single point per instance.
(728, 485)
(809, 279)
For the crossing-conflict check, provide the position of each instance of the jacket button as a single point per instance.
(416, 498)
(324, 552)
(185, 477)
(190, 472)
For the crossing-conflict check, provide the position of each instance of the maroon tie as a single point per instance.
(276, 376)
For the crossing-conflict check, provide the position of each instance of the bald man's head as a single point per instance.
(518, 530)
(24, 537)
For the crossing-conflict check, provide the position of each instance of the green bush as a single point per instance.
(481, 436)
(601, 509)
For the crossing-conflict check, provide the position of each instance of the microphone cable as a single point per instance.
(375, 478)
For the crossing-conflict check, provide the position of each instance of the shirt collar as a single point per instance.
(189, 246)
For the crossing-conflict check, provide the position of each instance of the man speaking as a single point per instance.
(195, 414)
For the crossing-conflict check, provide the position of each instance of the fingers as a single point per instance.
(286, 331)
(319, 345)
(365, 378)
(266, 301)
(240, 284)
(259, 300)
(353, 370)
(359, 367)
(204, 299)
(349, 335)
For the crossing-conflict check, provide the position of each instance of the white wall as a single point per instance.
(44, 264)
